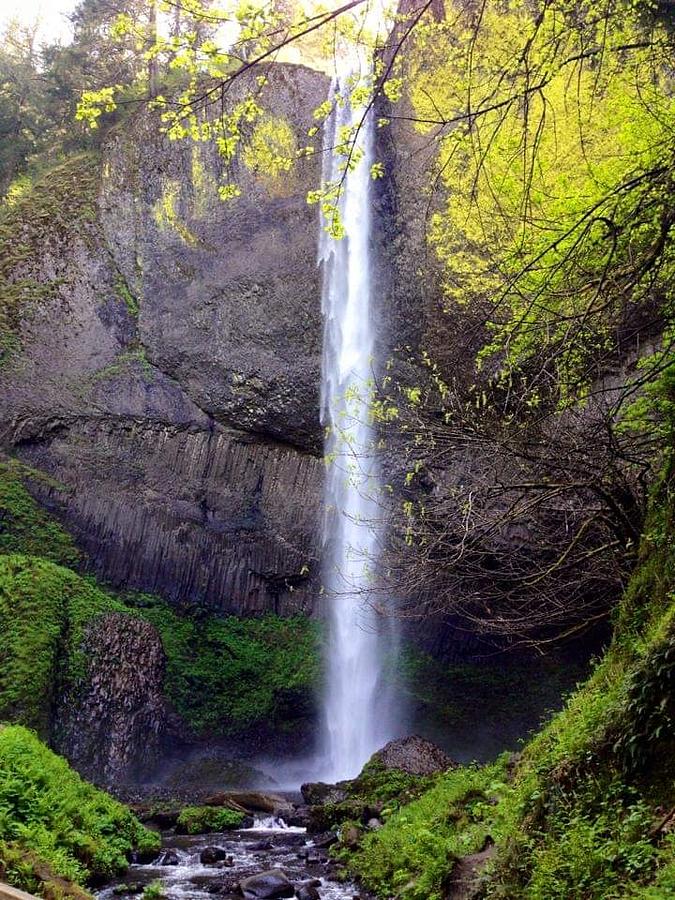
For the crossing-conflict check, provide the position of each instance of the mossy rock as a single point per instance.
(206, 819)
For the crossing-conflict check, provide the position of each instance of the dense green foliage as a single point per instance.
(224, 674)
(414, 852)
(557, 171)
(203, 819)
(54, 823)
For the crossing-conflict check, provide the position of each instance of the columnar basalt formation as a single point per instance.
(167, 379)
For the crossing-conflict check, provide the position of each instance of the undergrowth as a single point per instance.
(52, 822)
(589, 811)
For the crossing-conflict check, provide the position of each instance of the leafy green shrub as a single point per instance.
(49, 815)
(202, 819)
(154, 891)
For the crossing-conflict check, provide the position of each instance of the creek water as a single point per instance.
(356, 720)
(269, 844)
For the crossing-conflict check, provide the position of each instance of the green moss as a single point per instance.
(126, 296)
(44, 610)
(226, 674)
(51, 820)
(204, 819)
(24, 526)
(223, 675)
(124, 364)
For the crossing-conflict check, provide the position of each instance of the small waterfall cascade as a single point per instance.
(355, 707)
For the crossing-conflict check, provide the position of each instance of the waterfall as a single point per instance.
(355, 709)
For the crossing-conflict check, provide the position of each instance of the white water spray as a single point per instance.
(356, 710)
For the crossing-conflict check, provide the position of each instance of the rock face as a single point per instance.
(167, 382)
(111, 730)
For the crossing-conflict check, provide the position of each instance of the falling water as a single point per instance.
(355, 710)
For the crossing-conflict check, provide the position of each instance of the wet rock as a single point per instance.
(261, 845)
(413, 755)
(168, 858)
(144, 856)
(267, 886)
(318, 793)
(307, 892)
(299, 817)
(134, 887)
(324, 841)
(163, 818)
(211, 855)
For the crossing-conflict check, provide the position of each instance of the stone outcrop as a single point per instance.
(167, 381)
(111, 728)
(413, 755)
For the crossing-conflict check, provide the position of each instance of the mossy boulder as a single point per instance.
(205, 819)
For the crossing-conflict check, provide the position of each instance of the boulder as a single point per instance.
(299, 817)
(307, 892)
(350, 837)
(267, 886)
(110, 726)
(168, 858)
(212, 855)
(163, 818)
(414, 755)
(317, 793)
(324, 841)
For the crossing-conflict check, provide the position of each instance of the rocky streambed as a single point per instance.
(265, 861)
(280, 844)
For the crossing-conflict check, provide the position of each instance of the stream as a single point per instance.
(267, 845)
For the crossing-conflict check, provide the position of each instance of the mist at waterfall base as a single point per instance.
(358, 707)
